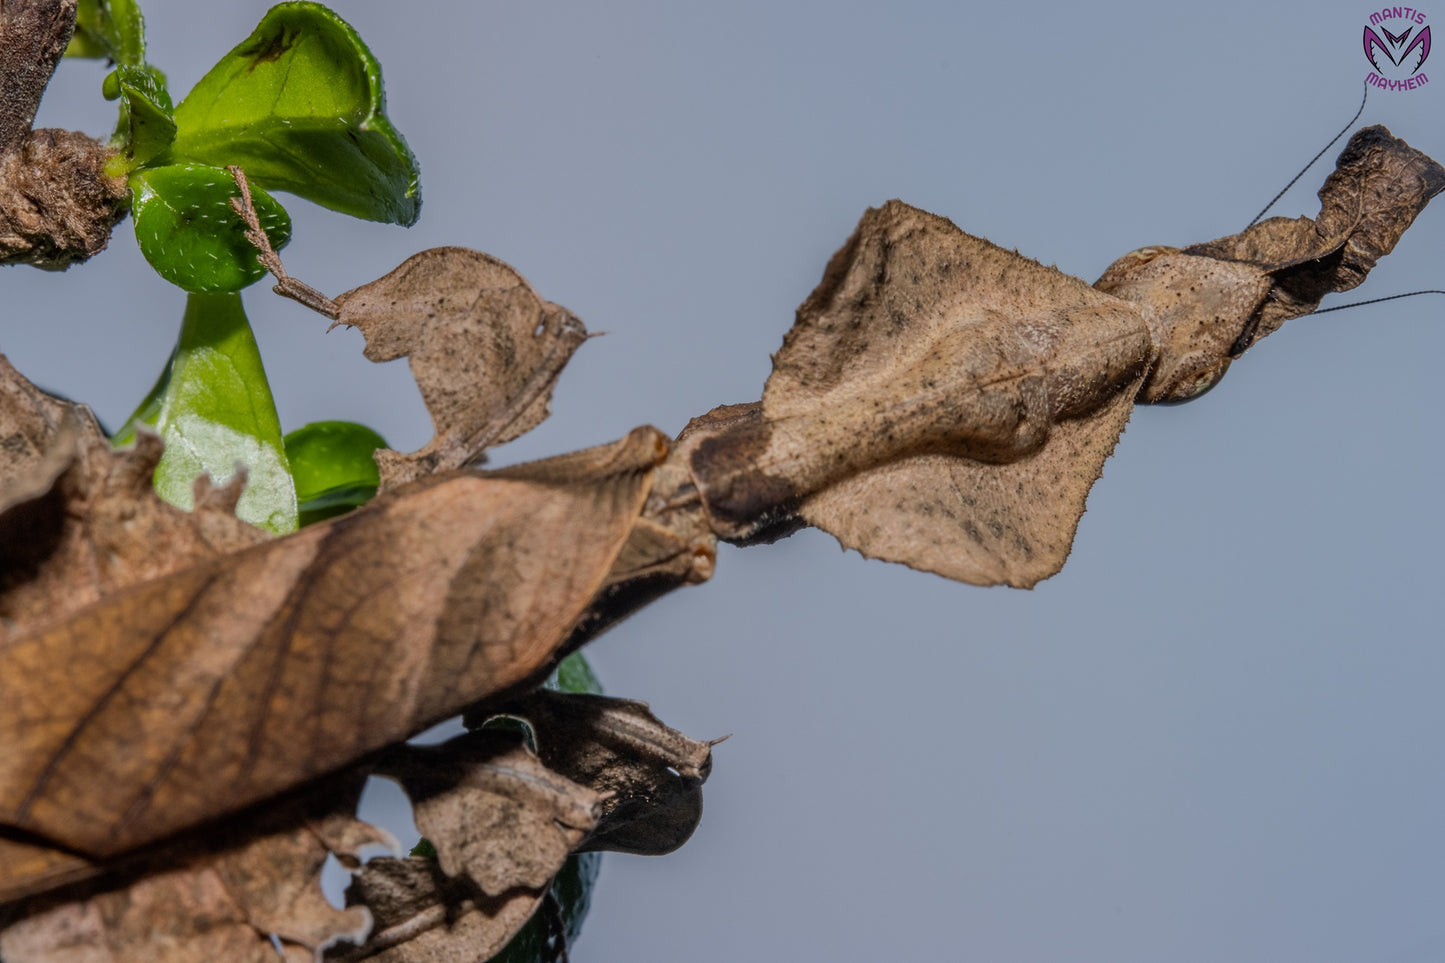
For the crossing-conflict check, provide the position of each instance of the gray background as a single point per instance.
(1216, 735)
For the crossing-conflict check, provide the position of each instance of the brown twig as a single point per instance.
(33, 35)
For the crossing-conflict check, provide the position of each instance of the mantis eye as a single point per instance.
(1197, 385)
(1141, 256)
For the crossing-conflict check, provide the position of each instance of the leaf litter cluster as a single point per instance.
(160, 669)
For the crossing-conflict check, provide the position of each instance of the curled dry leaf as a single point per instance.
(421, 915)
(939, 402)
(503, 823)
(225, 676)
(80, 521)
(217, 897)
(948, 404)
(493, 811)
(670, 545)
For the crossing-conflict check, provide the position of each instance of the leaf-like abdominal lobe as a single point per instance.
(485, 348)
(184, 698)
(940, 402)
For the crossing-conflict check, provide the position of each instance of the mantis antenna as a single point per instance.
(1292, 181)
(1356, 304)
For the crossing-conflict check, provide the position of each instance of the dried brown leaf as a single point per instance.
(183, 698)
(178, 916)
(80, 521)
(493, 811)
(218, 898)
(671, 544)
(29, 421)
(423, 916)
(41, 867)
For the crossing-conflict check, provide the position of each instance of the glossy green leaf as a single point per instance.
(216, 411)
(145, 127)
(148, 412)
(111, 29)
(299, 105)
(575, 674)
(332, 464)
(188, 232)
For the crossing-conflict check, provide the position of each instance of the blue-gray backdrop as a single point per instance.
(1215, 736)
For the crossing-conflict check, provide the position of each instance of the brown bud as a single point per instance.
(57, 204)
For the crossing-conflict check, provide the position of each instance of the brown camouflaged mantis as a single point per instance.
(947, 404)
(939, 402)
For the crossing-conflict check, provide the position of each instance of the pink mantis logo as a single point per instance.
(1397, 57)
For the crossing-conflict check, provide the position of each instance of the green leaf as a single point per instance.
(575, 674)
(299, 105)
(332, 464)
(217, 411)
(148, 412)
(188, 232)
(113, 29)
(145, 127)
